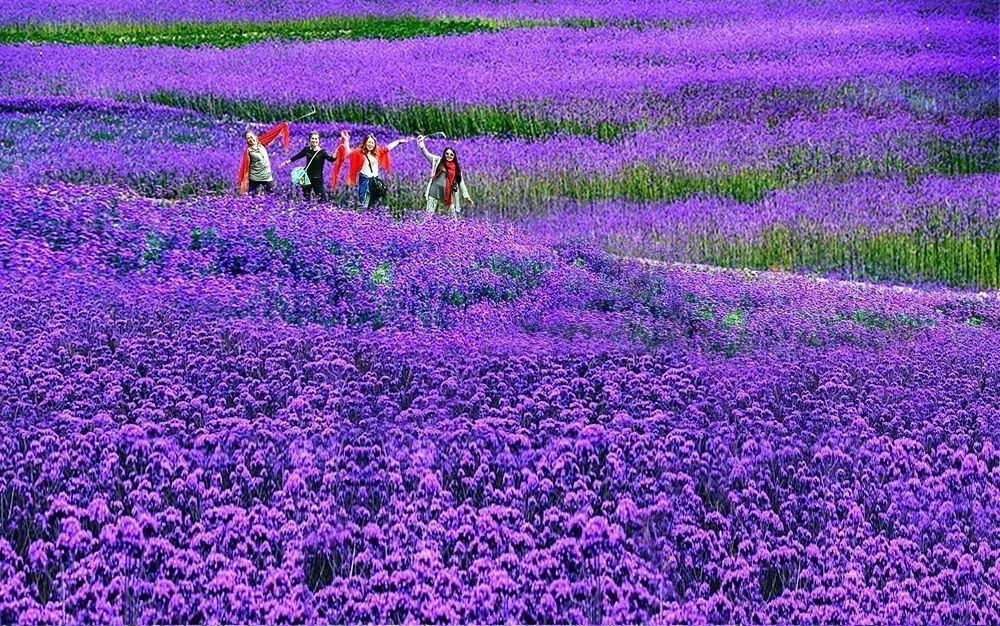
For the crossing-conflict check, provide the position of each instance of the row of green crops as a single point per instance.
(236, 34)
(966, 261)
(528, 120)
(470, 121)
(521, 194)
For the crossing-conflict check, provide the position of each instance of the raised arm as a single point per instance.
(427, 153)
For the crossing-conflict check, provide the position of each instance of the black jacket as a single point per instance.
(315, 166)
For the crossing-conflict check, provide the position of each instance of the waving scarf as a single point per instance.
(265, 138)
(356, 160)
(341, 156)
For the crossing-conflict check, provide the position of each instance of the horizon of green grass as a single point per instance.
(236, 34)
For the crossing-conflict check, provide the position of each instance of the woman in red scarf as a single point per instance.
(364, 163)
(446, 189)
(255, 168)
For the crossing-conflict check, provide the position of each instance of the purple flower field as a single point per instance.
(613, 74)
(718, 343)
(501, 431)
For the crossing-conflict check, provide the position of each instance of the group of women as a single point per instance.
(444, 194)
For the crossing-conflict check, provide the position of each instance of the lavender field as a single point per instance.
(719, 341)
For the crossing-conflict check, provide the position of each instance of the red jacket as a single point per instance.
(356, 160)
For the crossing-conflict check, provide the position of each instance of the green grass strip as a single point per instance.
(411, 119)
(237, 34)
(962, 260)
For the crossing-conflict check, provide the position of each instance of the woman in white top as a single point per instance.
(366, 163)
(446, 189)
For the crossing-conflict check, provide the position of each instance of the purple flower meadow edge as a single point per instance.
(934, 230)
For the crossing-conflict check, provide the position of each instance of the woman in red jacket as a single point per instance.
(365, 165)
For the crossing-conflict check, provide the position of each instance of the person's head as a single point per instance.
(251, 138)
(369, 144)
(449, 156)
(314, 140)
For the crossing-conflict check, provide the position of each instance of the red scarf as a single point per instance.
(338, 163)
(449, 167)
(243, 175)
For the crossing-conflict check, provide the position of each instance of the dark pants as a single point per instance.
(266, 185)
(365, 197)
(315, 186)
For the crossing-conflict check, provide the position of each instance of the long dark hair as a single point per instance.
(440, 165)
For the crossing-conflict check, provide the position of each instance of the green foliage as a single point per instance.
(968, 258)
(156, 245)
(279, 244)
(469, 121)
(516, 269)
(188, 139)
(202, 238)
(102, 136)
(872, 320)
(237, 34)
(380, 275)
(734, 319)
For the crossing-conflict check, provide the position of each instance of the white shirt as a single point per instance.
(370, 168)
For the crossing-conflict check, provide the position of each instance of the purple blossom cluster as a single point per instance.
(588, 441)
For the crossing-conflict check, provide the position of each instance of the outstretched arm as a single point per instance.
(397, 142)
(300, 154)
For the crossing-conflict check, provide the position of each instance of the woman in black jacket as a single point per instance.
(314, 166)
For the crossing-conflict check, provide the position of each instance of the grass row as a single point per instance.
(521, 194)
(969, 98)
(469, 121)
(237, 34)
(958, 260)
